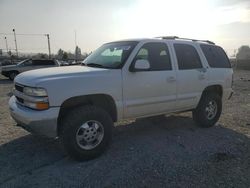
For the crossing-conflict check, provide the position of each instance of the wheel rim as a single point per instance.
(211, 110)
(90, 134)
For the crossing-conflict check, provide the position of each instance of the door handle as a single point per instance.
(171, 79)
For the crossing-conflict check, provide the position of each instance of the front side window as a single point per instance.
(111, 55)
(27, 63)
(157, 54)
(216, 57)
(187, 57)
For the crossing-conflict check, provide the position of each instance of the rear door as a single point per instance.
(191, 75)
(37, 64)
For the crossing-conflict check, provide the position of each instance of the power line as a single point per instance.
(22, 34)
(25, 49)
(27, 34)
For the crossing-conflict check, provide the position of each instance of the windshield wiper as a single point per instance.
(95, 65)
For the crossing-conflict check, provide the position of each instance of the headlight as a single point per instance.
(36, 92)
(35, 98)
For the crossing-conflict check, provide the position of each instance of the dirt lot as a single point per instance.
(157, 152)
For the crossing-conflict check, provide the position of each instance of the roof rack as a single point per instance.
(178, 38)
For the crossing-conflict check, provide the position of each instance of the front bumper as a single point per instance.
(38, 122)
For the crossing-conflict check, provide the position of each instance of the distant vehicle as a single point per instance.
(122, 80)
(63, 63)
(11, 71)
(6, 62)
(75, 63)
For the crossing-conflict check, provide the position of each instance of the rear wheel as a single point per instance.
(208, 110)
(86, 132)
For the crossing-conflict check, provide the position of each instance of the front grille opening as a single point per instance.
(19, 88)
(20, 100)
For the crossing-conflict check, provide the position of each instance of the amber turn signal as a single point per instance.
(42, 105)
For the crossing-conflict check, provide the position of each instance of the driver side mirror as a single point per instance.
(141, 65)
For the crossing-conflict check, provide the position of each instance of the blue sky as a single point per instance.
(227, 22)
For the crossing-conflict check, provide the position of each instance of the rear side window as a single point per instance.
(216, 57)
(43, 62)
(187, 57)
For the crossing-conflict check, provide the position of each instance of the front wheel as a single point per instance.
(208, 110)
(86, 132)
(12, 75)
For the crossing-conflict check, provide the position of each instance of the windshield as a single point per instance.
(21, 62)
(111, 55)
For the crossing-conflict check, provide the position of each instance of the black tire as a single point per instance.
(12, 75)
(71, 125)
(200, 114)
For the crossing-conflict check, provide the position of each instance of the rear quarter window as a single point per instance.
(216, 57)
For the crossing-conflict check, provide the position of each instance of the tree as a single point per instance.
(65, 56)
(43, 56)
(40, 56)
(78, 53)
(243, 53)
(60, 54)
(9, 53)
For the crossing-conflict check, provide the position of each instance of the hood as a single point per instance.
(5, 67)
(34, 77)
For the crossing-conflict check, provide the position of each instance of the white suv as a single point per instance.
(122, 80)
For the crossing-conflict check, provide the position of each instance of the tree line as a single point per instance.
(64, 55)
(243, 53)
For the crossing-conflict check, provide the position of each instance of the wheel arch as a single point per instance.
(12, 71)
(214, 88)
(104, 101)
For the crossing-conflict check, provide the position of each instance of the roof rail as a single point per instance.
(168, 37)
(178, 38)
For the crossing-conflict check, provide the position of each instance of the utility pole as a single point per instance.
(48, 45)
(236, 62)
(75, 48)
(6, 43)
(15, 42)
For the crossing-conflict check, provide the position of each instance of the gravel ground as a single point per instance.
(154, 152)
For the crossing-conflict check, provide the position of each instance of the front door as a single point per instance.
(25, 66)
(152, 91)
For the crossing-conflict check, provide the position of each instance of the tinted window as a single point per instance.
(157, 54)
(43, 62)
(187, 57)
(27, 63)
(216, 57)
